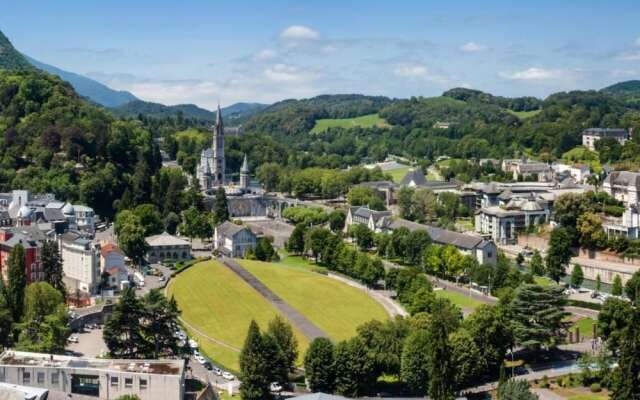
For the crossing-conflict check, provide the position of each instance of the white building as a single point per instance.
(167, 247)
(101, 378)
(592, 135)
(80, 262)
(623, 186)
(579, 172)
(234, 240)
(503, 222)
(364, 215)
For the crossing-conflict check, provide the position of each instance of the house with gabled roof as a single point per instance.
(234, 240)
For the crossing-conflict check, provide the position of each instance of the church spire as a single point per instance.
(219, 124)
(245, 164)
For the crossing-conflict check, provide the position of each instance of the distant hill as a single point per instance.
(629, 91)
(86, 87)
(10, 58)
(234, 114)
(517, 104)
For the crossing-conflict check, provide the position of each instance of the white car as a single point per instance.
(275, 387)
(200, 359)
(74, 339)
(193, 344)
(228, 376)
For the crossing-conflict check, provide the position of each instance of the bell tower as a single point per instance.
(218, 151)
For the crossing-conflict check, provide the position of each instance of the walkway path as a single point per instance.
(546, 394)
(308, 328)
(381, 297)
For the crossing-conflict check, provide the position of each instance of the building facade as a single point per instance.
(591, 135)
(80, 262)
(9, 239)
(98, 378)
(167, 247)
(234, 240)
(623, 186)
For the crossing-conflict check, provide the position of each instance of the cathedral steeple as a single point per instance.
(244, 173)
(218, 150)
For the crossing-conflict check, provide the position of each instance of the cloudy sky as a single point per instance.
(200, 52)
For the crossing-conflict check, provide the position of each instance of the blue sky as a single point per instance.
(204, 51)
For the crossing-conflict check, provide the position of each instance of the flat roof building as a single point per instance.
(99, 378)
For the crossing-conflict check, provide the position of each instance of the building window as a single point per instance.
(26, 378)
(88, 385)
(143, 383)
(40, 377)
(128, 382)
(55, 378)
(114, 381)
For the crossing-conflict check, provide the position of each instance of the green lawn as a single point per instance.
(295, 261)
(589, 397)
(524, 114)
(585, 325)
(543, 281)
(458, 299)
(217, 302)
(365, 121)
(336, 308)
(397, 173)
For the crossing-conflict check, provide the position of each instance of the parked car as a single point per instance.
(193, 344)
(201, 359)
(74, 339)
(275, 387)
(208, 365)
(228, 376)
(217, 371)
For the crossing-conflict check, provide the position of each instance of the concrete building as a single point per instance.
(167, 247)
(80, 262)
(591, 135)
(578, 172)
(628, 225)
(514, 214)
(364, 215)
(233, 240)
(99, 378)
(110, 256)
(623, 186)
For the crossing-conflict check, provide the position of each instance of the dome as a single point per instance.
(68, 209)
(531, 205)
(24, 212)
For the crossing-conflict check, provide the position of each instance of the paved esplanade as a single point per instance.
(308, 328)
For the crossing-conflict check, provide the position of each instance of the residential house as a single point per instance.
(591, 135)
(9, 239)
(623, 186)
(167, 247)
(578, 172)
(364, 215)
(110, 256)
(80, 262)
(234, 240)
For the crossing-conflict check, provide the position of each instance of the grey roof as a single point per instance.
(378, 184)
(4, 214)
(53, 214)
(623, 178)
(366, 212)
(506, 195)
(607, 132)
(439, 235)
(166, 239)
(320, 396)
(415, 175)
(532, 167)
(229, 229)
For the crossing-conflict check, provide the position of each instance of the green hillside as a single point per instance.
(10, 58)
(365, 121)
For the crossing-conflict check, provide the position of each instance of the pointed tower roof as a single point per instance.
(219, 120)
(245, 164)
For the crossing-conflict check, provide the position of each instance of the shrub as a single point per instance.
(545, 382)
(320, 270)
(595, 388)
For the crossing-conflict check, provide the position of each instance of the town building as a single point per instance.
(31, 241)
(167, 247)
(80, 262)
(628, 225)
(578, 172)
(233, 240)
(364, 215)
(211, 170)
(110, 256)
(513, 214)
(99, 378)
(591, 135)
(623, 186)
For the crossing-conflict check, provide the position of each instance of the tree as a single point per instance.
(196, 224)
(632, 288)
(264, 250)
(337, 219)
(314, 241)
(44, 328)
(440, 369)
(538, 316)
(52, 265)
(489, 328)
(254, 368)
(281, 332)
(515, 390)
(577, 276)
(589, 227)
(414, 244)
(536, 264)
(414, 369)
(613, 319)
(354, 368)
(559, 253)
(5, 319)
(220, 207)
(319, 366)
(171, 222)
(141, 181)
(598, 283)
(626, 378)
(365, 196)
(149, 219)
(384, 342)
(616, 288)
(466, 358)
(16, 282)
(159, 324)
(519, 259)
(269, 175)
(295, 244)
(362, 235)
(122, 333)
(132, 241)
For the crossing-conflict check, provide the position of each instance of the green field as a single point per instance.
(218, 303)
(543, 281)
(365, 121)
(585, 325)
(336, 308)
(524, 114)
(397, 173)
(458, 299)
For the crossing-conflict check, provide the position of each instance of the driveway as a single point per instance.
(90, 344)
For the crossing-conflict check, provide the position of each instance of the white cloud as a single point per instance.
(539, 74)
(411, 71)
(299, 32)
(266, 54)
(286, 73)
(636, 43)
(472, 47)
(629, 56)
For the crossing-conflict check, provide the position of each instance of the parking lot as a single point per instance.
(90, 343)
